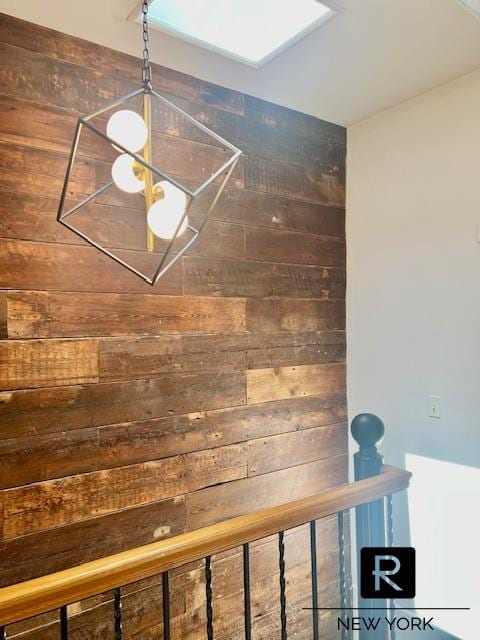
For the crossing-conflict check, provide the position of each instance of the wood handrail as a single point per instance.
(33, 597)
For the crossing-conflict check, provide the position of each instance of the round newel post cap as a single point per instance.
(368, 430)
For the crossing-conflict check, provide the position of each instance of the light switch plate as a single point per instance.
(434, 407)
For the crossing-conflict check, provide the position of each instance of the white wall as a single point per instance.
(413, 214)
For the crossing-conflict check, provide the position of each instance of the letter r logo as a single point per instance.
(382, 574)
(387, 572)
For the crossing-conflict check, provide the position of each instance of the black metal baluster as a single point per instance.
(117, 613)
(63, 623)
(342, 571)
(166, 606)
(208, 592)
(246, 592)
(3, 633)
(313, 556)
(283, 597)
(390, 544)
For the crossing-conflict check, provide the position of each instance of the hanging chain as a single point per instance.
(147, 68)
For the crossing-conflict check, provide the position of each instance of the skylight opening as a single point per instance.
(249, 32)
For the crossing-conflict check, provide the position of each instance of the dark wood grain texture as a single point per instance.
(54, 409)
(129, 414)
(37, 554)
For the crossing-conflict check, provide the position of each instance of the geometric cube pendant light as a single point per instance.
(143, 178)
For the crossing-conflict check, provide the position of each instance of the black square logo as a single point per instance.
(387, 572)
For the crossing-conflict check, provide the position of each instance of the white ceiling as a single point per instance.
(375, 54)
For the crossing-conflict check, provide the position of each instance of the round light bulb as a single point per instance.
(164, 215)
(124, 176)
(128, 129)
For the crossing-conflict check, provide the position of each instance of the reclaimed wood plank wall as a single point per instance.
(128, 414)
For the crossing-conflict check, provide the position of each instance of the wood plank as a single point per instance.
(215, 504)
(287, 122)
(35, 507)
(194, 161)
(33, 124)
(32, 265)
(294, 315)
(42, 314)
(3, 315)
(304, 142)
(243, 206)
(298, 447)
(277, 133)
(43, 172)
(294, 248)
(127, 443)
(51, 127)
(267, 134)
(206, 277)
(23, 217)
(128, 358)
(41, 553)
(39, 78)
(32, 217)
(125, 359)
(301, 355)
(31, 412)
(76, 51)
(266, 385)
(191, 162)
(295, 182)
(259, 209)
(30, 459)
(296, 139)
(42, 457)
(39, 363)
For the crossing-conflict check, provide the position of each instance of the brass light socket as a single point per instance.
(158, 192)
(138, 169)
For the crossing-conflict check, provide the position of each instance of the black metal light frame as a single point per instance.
(168, 260)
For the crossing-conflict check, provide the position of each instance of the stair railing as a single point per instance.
(374, 483)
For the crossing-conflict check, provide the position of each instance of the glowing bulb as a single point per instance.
(124, 176)
(128, 129)
(164, 215)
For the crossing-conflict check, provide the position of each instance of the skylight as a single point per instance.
(251, 31)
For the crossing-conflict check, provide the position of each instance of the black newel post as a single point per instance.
(368, 430)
